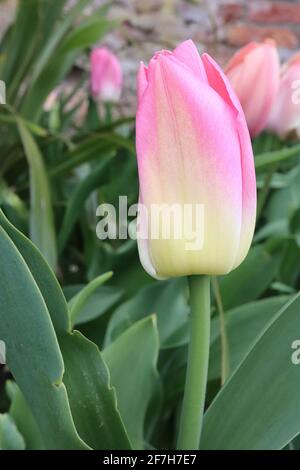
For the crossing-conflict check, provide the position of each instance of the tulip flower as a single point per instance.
(285, 115)
(254, 74)
(193, 149)
(106, 75)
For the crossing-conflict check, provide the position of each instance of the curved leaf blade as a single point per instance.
(43, 275)
(131, 360)
(10, 437)
(92, 400)
(259, 404)
(42, 229)
(26, 328)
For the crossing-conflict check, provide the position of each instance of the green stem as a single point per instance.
(196, 378)
(270, 143)
(225, 358)
(108, 113)
(268, 158)
(263, 194)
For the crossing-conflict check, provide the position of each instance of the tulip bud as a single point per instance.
(285, 115)
(106, 75)
(195, 164)
(254, 75)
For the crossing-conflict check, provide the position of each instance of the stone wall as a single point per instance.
(219, 27)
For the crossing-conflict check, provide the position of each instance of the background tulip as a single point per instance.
(285, 115)
(254, 74)
(106, 75)
(193, 147)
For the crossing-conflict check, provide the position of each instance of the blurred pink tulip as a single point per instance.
(285, 115)
(254, 75)
(106, 75)
(193, 148)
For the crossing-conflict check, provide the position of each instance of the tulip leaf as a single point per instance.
(86, 34)
(243, 325)
(10, 437)
(93, 373)
(284, 202)
(168, 300)
(23, 418)
(44, 277)
(55, 38)
(92, 399)
(97, 177)
(84, 152)
(269, 158)
(259, 404)
(251, 278)
(60, 63)
(30, 340)
(26, 25)
(290, 269)
(79, 300)
(101, 300)
(90, 149)
(42, 229)
(131, 360)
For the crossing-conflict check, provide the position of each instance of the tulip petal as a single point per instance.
(254, 74)
(240, 55)
(143, 242)
(218, 80)
(189, 152)
(285, 115)
(187, 53)
(106, 75)
(142, 80)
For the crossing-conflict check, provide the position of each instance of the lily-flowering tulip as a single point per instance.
(194, 151)
(106, 75)
(285, 115)
(254, 74)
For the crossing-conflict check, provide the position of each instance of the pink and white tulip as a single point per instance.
(254, 75)
(106, 75)
(193, 147)
(284, 119)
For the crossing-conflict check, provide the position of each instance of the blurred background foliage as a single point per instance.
(55, 168)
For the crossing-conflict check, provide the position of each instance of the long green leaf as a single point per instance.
(90, 150)
(23, 418)
(97, 177)
(56, 68)
(92, 399)
(260, 267)
(86, 34)
(168, 300)
(93, 375)
(26, 26)
(57, 35)
(259, 405)
(46, 281)
(243, 325)
(42, 229)
(102, 299)
(131, 360)
(10, 437)
(33, 354)
(80, 299)
(269, 158)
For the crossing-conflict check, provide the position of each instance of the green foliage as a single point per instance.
(256, 413)
(96, 349)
